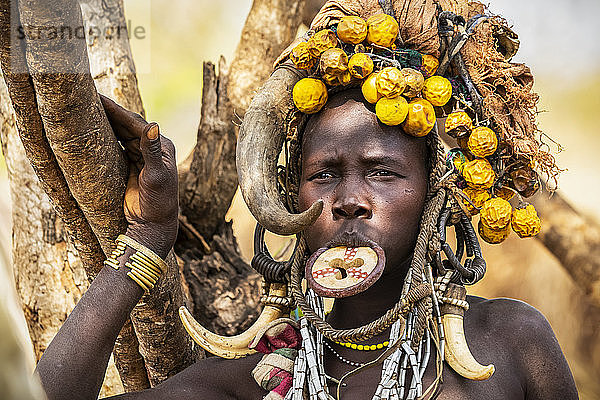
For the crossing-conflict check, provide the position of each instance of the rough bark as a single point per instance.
(74, 120)
(54, 184)
(113, 71)
(223, 287)
(111, 61)
(94, 167)
(270, 27)
(42, 255)
(206, 192)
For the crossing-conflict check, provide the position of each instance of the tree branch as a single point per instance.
(573, 239)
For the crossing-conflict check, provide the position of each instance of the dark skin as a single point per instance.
(372, 179)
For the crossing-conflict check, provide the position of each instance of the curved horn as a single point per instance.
(260, 141)
(233, 346)
(457, 353)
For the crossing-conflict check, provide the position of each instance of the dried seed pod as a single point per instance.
(420, 119)
(456, 159)
(360, 65)
(414, 82)
(321, 41)
(345, 78)
(300, 56)
(369, 89)
(392, 111)
(333, 63)
(479, 174)
(430, 64)
(310, 95)
(352, 29)
(525, 221)
(478, 198)
(458, 123)
(482, 142)
(524, 180)
(505, 193)
(390, 82)
(496, 213)
(493, 236)
(437, 90)
(383, 30)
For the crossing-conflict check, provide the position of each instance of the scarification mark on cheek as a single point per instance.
(409, 191)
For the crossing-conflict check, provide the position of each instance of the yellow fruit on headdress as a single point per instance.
(345, 78)
(482, 142)
(360, 65)
(414, 82)
(430, 64)
(352, 29)
(505, 193)
(493, 236)
(369, 89)
(390, 82)
(310, 95)
(478, 197)
(391, 111)
(496, 213)
(437, 90)
(420, 119)
(479, 174)
(300, 56)
(321, 41)
(458, 123)
(525, 221)
(334, 62)
(383, 30)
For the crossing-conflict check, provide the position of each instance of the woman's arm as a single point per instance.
(74, 364)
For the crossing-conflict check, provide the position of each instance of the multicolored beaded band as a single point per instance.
(364, 347)
(145, 266)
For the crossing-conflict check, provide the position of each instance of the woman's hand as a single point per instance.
(151, 197)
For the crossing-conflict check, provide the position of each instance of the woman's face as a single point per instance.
(371, 177)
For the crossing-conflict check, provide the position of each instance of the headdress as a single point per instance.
(415, 61)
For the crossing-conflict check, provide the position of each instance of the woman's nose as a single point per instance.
(350, 205)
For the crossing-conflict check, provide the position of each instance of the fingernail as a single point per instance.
(152, 132)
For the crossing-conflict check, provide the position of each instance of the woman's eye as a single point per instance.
(383, 173)
(321, 176)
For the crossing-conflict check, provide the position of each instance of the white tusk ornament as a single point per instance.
(457, 353)
(234, 346)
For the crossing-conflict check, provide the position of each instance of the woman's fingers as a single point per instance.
(126, 124)
(128, 127)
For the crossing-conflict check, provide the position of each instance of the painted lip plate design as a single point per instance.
(343, 271)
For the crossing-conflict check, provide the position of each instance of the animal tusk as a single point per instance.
(234, 346)
(457, 353)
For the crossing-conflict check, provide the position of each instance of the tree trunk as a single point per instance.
(224, 289)
(270, 27)
(94, 168)
(42, 256)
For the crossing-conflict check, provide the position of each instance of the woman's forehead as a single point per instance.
(348, 125)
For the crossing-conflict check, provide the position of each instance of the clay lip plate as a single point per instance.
(329, 283)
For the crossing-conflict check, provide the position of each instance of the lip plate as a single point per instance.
(351, 290)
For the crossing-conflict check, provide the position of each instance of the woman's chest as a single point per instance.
(503, 385)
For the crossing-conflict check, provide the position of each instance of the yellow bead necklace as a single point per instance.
(364, 347)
